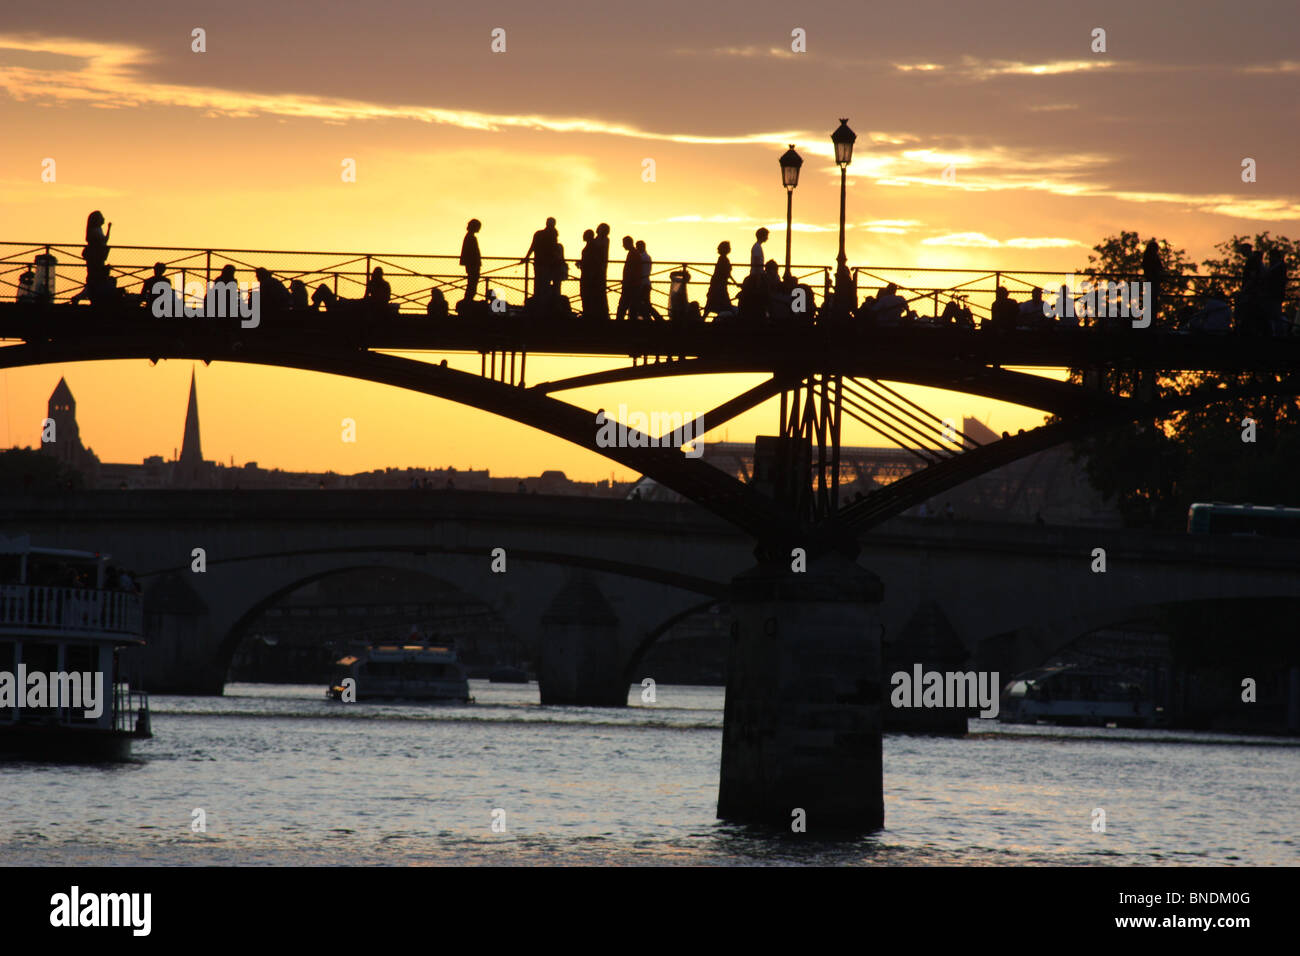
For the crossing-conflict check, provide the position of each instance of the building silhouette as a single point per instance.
(189, 470)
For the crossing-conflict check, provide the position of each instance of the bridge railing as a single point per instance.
(72, 610)
(412, 277)
(928, 291)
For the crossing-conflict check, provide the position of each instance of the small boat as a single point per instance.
(425, 671)
(1070, 694)
(63, 618)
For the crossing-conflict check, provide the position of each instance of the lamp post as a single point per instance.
(843, 139)
(790, 163)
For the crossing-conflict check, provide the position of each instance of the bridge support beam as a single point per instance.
(802, 722)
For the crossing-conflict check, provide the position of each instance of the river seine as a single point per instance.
(283, 777)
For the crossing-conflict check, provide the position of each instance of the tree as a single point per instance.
(1122, 256)
(1154, 470)
(29, 470)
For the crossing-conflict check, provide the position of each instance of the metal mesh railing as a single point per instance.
(412, 277)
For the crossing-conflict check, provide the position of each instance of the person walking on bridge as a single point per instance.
(647, 309)
(756, 260)
(631, 284)
(718, 300)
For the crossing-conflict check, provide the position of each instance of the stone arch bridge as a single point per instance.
(591, 583)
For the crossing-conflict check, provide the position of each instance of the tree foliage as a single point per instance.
(29, 470)
(1154, 470)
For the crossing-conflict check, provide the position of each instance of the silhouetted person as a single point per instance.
(631, 283)
(719, 298)
(157, 286)
(647, 267)
(561, 272)
(437, 307)
(952, 315)
(889, 307)
(95, 252)
(325, 296)
(222, 300)
(471, 259)
(544, 250)
(756, 253)
(298, 295)
(1006, 312)
(1272, 287)
(271, 290)
(591, 276)
(378, 291)
(1153, 271)
(1030, 312)
(680, 306)
(602, 276)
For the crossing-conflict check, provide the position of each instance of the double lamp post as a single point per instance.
(843, 139)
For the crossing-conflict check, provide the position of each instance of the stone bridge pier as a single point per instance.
(802, 726)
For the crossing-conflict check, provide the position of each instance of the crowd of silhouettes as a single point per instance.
(1255, 308)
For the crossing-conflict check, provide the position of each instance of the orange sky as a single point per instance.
(1054, 146)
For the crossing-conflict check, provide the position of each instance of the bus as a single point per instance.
(1266, 521)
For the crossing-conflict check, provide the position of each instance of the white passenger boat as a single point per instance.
(63, 619)
(1068, 694)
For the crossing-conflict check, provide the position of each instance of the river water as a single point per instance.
(285, 777)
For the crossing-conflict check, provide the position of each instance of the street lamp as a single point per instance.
(843, 139)
(790, 163)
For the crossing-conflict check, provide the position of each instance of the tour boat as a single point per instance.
(1073, 695)
(424, 671)
(62, 624)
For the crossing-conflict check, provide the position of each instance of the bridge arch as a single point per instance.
(237, 590)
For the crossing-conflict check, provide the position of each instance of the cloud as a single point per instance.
(963, 239)
(897, 227)
(103, 75)
(977, 240)
(1281, 66)
(745, 52)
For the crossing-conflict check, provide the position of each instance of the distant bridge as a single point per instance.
(1014, 594)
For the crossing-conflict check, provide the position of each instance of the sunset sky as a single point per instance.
(1054, 147)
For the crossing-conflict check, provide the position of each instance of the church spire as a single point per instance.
(191, 452)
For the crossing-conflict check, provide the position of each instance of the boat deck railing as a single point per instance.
(130, 710)
(87, 611)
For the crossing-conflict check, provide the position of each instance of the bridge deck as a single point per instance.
(88, 332)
